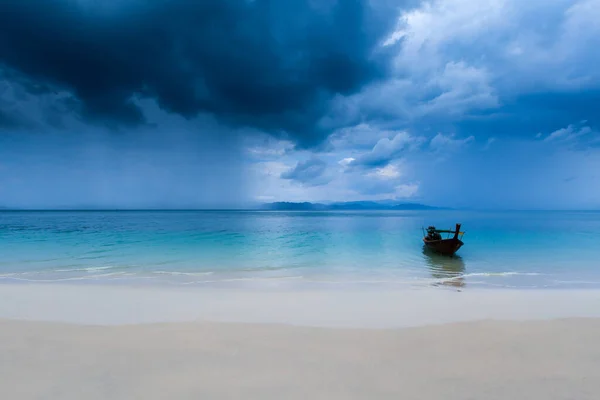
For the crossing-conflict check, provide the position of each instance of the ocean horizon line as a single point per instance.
(433, 209)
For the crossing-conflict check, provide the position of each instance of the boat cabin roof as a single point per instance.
(446, 231)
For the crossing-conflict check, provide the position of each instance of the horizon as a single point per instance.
(258, 208)
(355, 100)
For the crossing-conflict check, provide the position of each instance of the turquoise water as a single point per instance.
(280, 249)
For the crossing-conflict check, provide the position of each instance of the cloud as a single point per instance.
(392, 180)
(344, 162)
(308, 100)
(569, 133)
(8, 120)
(358, 137)
(309, 172)
(535, 41)
(262, 147)
(407, 191)
(386, 150)
(441, 142)
(489, 143)
(497, 67)
(463, 88)
(33, 107)
(388, 172)
(574, 137)
(270, 65)
(475, 91)
(389, 181)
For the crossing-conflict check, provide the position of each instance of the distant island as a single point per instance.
(350, 205)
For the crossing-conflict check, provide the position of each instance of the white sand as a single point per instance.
(110, 305)
(255, 356)
(542, 360)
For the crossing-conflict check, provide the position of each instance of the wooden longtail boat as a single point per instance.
(434, 241)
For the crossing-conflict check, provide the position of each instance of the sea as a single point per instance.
(300, 249)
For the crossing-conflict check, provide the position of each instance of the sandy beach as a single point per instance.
(94, 342)
(557, 359)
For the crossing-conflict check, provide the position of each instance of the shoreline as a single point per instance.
(293, 280)
(343, 308)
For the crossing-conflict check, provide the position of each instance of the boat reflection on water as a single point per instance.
(448, 270)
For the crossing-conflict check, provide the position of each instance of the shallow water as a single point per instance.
(279, 249)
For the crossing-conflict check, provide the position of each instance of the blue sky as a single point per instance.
(486, 104)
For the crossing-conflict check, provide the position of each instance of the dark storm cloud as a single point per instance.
(8, 120)
(264, 63)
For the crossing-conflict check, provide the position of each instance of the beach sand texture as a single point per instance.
(554, 359)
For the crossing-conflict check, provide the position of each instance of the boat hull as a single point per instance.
(445, 246)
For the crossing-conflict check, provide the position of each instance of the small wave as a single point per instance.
(499, 274)
(74, 278)
(344, 282)
(178, 273)
(87, 269)
(283, 278)
(263, 269)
